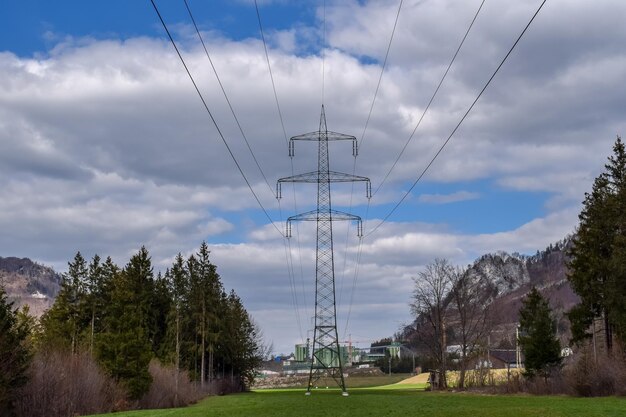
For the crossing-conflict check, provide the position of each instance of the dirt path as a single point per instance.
(417, 379)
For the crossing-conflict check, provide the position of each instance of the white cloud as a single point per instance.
(448, 198)
(104, 145)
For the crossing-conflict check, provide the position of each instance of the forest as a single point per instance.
(122, 337)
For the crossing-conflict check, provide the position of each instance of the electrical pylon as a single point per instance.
(326, 360)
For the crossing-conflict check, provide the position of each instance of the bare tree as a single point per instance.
(471, 311)
(430, 305)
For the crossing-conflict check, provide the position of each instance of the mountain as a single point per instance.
(27, 282)
(504, 280)
(509, 277)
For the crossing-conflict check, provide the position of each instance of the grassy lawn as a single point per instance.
(390, 402)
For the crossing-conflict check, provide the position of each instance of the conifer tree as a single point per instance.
(241, 344)
(64, 322)
(211, 289)
(160, 307)
(538, 340)
(14, 355)
(94, 297)
(179, 285)
(124, 348)
(597, 271)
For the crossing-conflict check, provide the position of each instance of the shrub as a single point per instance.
(164, 393)
(65, 384)
(592, 377)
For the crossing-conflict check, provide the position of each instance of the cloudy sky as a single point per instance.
(105, 146)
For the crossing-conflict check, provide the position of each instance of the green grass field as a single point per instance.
(390, 401)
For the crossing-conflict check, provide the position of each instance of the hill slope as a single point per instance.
(28, 282)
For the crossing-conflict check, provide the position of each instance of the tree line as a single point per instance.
(126, 317)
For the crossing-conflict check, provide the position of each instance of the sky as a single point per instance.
(105, 145)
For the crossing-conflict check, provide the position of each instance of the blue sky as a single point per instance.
(105, 147)
(27, 25)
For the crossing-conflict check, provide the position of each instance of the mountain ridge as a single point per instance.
(29, 283)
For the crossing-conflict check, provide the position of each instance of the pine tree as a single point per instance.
(211, 289)
(242, 347)
(616, 293)
(597, 271)
(175, 278)
(14, 355)
(179, 290)
(124, 348)
(64, 322)
(160, 306)
(538, 340)
(94, 297)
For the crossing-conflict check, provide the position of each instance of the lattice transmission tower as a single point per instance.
(326, 360)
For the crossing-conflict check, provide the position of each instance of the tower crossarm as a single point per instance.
(323, 136)
(333, 215)
(333, 176)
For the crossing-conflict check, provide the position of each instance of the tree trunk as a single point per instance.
(203, 360)
(608, 334)
(463, 366)
(93, 325)
(210, 362)
(177, 358)
(442, 378)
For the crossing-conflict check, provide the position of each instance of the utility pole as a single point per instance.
(350, 349)
(518, 356)
(326, 358)
(488, 352)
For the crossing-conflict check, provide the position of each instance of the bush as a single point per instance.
(163, 392)
(64, 384)
(589, 377)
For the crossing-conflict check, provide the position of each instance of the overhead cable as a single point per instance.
(219, 131)
(445, 74)
(406, 194)
(369, 115)
(232, 110)
(295, 200)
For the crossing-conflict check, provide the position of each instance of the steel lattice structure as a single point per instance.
(326, 358)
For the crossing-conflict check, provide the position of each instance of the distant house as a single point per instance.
(498, 359)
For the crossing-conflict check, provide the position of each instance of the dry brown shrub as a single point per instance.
(594, 376)
(583, 375)
(163, 392)
(64, 384)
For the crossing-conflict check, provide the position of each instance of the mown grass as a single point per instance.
(390, 402)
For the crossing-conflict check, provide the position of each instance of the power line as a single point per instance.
(295, 201)
(380, 77)
(382, 71)
(292, 285)
(227, 99)
(355, 278)
(460, 121)
(431, 98)
(232, 155)
(288, 255)
(267, 57)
